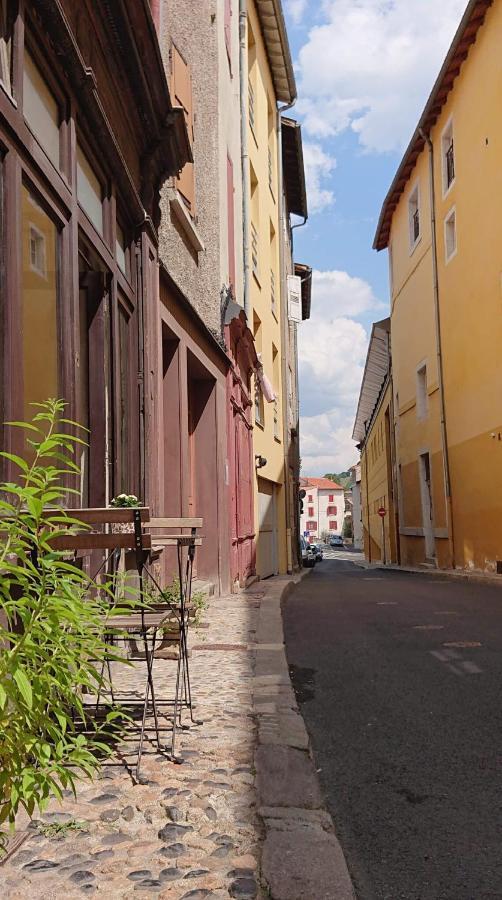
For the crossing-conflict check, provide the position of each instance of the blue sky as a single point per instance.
(364, 70)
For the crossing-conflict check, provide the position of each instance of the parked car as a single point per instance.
(336, 540)
(317, 549)
(308, 555)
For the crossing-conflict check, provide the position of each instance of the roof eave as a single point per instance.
(359, 431)
(296, 170)
(274, 32)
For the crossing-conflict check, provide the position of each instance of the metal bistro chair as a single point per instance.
(183, 691)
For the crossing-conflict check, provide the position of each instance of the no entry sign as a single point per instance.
(382, 512)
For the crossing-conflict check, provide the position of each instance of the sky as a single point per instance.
(364, 70)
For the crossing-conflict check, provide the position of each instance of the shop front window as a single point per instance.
(41, 110)
(39, 285)
(89, 191)
(6, 17)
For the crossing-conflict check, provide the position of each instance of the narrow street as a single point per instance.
(398, 678)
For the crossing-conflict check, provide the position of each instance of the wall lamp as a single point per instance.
(260, 461)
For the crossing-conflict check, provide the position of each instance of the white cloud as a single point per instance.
(296, 9)
(337, 294)
(371, 65)
(332, 351)
(318, 165)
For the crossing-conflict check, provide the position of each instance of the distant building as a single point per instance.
(323, 508)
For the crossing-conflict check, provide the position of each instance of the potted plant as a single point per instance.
(124, 501)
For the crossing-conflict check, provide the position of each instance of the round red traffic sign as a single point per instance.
(382, 512)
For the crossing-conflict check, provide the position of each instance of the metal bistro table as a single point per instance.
(146, 622)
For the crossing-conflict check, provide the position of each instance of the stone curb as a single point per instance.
(302, 858)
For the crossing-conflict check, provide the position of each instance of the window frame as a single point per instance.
(451, 214)
(414, 198)
(447, 140)
(422, 396)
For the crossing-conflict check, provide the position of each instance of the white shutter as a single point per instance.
(294, 298)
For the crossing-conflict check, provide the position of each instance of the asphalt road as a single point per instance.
(406, 730)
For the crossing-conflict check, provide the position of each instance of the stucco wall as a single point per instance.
(194, 29)
(376, 487)
(471, 321)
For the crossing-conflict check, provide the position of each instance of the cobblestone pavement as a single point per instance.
(191, 830)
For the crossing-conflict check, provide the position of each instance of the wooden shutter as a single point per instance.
(231, 223)
(181, 88)
(228, 30)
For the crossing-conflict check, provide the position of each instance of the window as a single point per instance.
(414, 217)
(311, 526)
(450, 235)
(310, 498)
(331, 511)
(6, 44)
(258, 402)
(120, 249)
(311, 510)
(37, 251)
(331, 498)
(273, 251)
(255, 214)
(89, 191)
(39, 320)
(448, 157)
(276, 377)
(128, 421)
(271, 114)
(422, 392)
(333, 525)
(40, 109)
(251, 105)
(181, 85)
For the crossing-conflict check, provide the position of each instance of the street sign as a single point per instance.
(305, 534)
(382, 512)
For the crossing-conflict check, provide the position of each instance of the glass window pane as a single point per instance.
(89, 193)
(6, 44)
(41, 109)
(120, 249)
(39, 299)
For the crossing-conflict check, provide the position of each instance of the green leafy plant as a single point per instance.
(52, 645)
(171, 595)
(62, 829)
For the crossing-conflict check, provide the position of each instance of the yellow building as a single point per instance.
(442, 226)
(374, 433)
(270, 82)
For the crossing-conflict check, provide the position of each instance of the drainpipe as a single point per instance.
(284, 328)
(243, 79)
(439, 355)
(367, 500)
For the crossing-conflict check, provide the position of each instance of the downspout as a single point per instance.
(439, 354)
(367, 501)
(284, 330)
(243, 79)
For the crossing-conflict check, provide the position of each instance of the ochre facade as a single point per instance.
(446, 332)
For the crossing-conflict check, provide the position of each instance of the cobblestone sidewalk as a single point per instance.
(190, 831)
